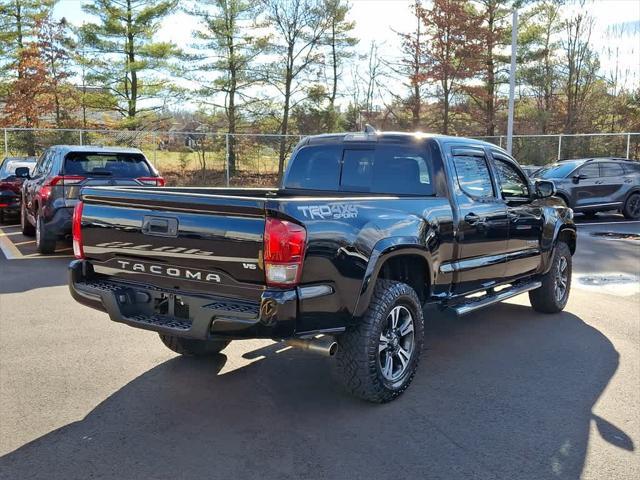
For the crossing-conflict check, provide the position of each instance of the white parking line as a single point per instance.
(8, 248)
(24, 243)
(11, 252)
(37, 256)
(607, 223)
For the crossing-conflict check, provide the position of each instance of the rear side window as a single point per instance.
(632, 167)
(611, 170)
(131, 165)
(473, 175)
(388, 169)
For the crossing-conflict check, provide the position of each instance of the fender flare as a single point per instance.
(635, 189)
(559, 229)
(382, 251)
(566, 198)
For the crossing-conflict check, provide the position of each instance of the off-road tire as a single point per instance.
(28, 230)
(193, 347)
(357, 361)
(544, 299)
(45, 242)
(631, 207)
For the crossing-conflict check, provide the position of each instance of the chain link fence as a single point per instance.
(183, 158)
(543, 149)
(252, 160)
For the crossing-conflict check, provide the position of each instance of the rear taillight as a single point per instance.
(284, 244)
(45, 190)
(76, 231)
(65, 179)
(156, 181)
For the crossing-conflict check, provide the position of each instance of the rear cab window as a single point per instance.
(384, 169)
(89, 164)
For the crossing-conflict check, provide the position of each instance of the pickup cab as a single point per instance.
(365, 230)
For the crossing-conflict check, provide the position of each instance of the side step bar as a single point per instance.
(471, 305)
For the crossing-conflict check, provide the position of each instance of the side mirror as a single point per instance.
(22, 172)
(578, 176)
(545, 189)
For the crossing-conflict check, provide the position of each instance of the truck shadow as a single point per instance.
(506, 393)
(25, 275)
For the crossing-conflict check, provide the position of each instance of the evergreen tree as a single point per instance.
(125, 57)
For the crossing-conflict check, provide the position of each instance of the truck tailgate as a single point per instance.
(183, 241)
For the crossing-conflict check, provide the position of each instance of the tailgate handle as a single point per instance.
(160, 226)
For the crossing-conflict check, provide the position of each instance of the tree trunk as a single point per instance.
(231, 109)
(491, 81)
(133, 98)
(284, 129)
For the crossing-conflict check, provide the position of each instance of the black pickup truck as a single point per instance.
(365, 229)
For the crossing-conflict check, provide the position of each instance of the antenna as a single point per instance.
(369, 129)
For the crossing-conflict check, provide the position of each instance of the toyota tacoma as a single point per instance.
(365, 229)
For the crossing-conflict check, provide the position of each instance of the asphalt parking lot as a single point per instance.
(505, 393)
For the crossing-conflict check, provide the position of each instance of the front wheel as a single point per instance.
(553, 295)
(378, 358)
(193, 347)
(631, 209)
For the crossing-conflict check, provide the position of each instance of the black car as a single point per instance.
(52, 190)
(10, 184)
(592, 185)
(366, 228)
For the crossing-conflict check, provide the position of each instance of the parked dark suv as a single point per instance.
(51, 191)
(592, 185)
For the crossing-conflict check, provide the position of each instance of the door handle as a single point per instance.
(472, 218)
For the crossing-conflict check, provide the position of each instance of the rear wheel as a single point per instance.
(553, 295)
(27, 229)
(631, 209)
(45, 242)
(377, 359)
(193, 347)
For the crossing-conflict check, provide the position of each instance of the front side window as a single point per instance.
(512, 184)
(590, 170)
(39, 168)
(473, 175)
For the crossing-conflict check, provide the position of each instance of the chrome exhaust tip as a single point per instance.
(323, 345)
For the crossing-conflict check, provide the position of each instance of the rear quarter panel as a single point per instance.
(349, 238)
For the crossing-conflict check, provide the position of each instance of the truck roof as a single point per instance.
(95, 148)
(390, 137)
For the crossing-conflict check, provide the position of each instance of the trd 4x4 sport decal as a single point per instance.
(335, 211)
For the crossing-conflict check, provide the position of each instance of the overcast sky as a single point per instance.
(378, 19)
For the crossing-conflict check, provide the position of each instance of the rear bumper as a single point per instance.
(9, 200)
(184, 314)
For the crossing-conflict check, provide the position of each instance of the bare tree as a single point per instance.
(299, 26)
(339, 43)
(582, 66)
